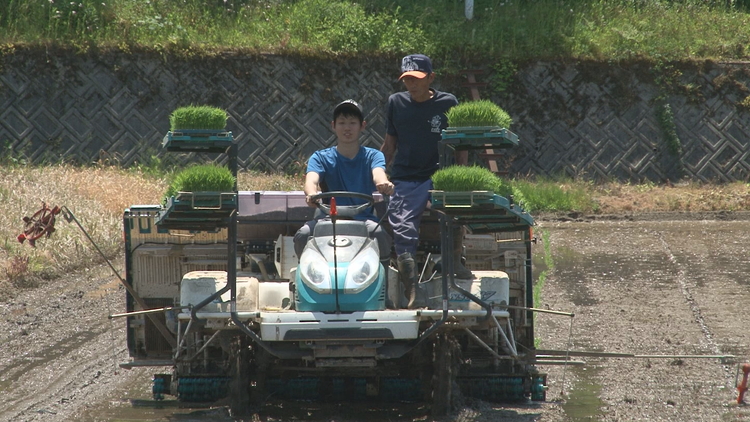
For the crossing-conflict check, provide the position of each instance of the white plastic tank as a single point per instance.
(492, 287)
(196, 286)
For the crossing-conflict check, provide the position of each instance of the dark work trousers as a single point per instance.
(405, 209)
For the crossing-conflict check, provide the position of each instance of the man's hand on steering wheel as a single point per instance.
(312, 200)
(385, 188)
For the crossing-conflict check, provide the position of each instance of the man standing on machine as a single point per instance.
(349, 167)
(415, 119)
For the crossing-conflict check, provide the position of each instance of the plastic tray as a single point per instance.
(197, 140)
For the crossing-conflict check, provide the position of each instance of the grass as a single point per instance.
(500, 30)
(548, 266)
(549, 195)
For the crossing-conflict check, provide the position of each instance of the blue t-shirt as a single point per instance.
(418, 129)
(340, 173)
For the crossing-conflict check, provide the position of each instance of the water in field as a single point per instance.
(583, 402)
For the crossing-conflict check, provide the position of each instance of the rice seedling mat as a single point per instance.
(198, 140)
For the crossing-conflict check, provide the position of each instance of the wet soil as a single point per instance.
(662, 289)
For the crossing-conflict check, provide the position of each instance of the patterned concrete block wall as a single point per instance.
(593, 120)
(602, 121)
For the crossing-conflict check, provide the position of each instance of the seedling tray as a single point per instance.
(197, 140)
(480, 132)
(481, 211)
(468, 199)
(197, 211)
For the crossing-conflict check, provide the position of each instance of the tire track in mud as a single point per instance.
(61, 380)
(695, 307)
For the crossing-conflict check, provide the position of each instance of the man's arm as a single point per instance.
(382, 184)
(389, 148)
(312, 187)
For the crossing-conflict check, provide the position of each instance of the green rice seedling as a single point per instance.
(468, 178)
(198, 117)
(201, 178)
(478, 114)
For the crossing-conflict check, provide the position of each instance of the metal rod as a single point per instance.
(511, 346)
(583, 353)
(204, 346)
(567, 356)
(484, 345)
(560, 362)
(146, 311)
(543, 311)
(510, 333)
(589, 353)
(421, 275)
(182, 339)
(685, 356)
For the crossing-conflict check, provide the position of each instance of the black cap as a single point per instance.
(351, 106)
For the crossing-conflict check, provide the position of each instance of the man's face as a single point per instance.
(418, 88)
(347, 128)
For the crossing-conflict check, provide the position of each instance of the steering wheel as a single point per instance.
(344, 210)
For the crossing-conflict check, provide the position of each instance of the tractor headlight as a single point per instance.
(314, 271)
(363, 270)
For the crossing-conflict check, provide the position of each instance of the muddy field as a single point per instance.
(661, 288)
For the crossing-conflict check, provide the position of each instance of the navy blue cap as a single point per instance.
(416, 65)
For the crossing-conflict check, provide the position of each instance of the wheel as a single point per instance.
(41, 223)
(445, 369)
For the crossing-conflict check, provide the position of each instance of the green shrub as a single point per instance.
(478, 113)
(201, 178)
(468, 178)
(198, 117)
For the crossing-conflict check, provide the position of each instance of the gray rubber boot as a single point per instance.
(407, 273)
(460, 271)
(388, 302)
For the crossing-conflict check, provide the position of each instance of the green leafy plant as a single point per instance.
(198, 117)
(665, 117)
(477, 114)
(468, 178)
(201, 178)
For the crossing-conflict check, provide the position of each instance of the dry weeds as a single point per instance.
(694, 197)
(97, 197)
